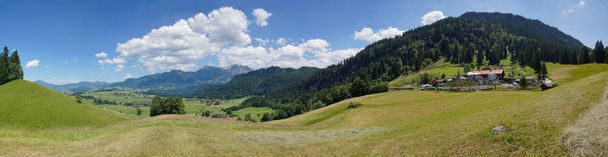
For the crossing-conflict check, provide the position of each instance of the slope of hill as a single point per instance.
(258, 82)
(434, 71)
(23, 103)
(416, 123)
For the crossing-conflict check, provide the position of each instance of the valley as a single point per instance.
(127, 102)
(472, 84)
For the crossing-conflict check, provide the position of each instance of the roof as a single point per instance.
(486, 72)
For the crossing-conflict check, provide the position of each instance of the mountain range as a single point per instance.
(171, 83)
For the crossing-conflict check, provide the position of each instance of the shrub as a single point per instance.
(139, 110)
(218, 115)
(78, 100)
(379, 88)
(353, 105)
(266, 117)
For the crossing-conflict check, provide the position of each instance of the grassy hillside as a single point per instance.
(404, 123)
(441, 67)
(23, 103)
(435, 71)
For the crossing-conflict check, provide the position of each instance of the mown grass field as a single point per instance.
(404, 123)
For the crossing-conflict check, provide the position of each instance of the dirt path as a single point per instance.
(589, 135)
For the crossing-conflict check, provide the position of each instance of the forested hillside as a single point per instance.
(259, 82)
(476, 39)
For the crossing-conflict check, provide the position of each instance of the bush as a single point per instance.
(353, 105)
(139, 110)
(78, 100)
(206, 113)
(266, 117)
(218, 115)
(379, 88)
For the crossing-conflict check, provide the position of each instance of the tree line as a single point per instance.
(10, 66)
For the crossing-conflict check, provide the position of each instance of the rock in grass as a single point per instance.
(499, 129)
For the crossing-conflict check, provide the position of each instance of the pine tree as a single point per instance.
(4, 71)
(585, 56)
(479, 59)
(600, 54)
(16, 72)
(543, 71)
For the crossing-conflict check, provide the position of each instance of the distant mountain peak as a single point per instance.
(236, 66)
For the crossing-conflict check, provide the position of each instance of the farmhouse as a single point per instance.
(486, 75)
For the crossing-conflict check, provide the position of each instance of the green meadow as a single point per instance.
(192, 106)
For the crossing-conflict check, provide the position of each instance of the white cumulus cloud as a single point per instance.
(180, 45)
(32, 64)
(101, 55)
(581, 3)
(221, 34)
(261, 16)
(574, 8)
(281, 41)
(113, 61)
(367, 34)
(432, 17)
(287, 56)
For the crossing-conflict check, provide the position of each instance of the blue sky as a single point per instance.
(65, 36)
